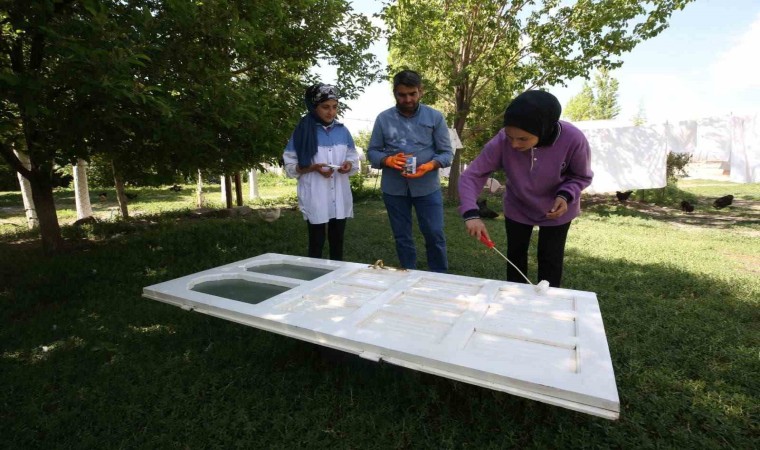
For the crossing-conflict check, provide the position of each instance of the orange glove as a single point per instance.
(396, 161)
(422, 169)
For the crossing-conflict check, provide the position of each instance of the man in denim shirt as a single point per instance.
(412, 129)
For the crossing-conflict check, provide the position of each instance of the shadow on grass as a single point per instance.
(743, 213)
(88, 363)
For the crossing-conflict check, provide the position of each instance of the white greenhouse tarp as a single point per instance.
(495, 334)
(625, 157)
(745, 149)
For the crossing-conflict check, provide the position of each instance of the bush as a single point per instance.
(675, 167)
(360, 189)
(268, 179)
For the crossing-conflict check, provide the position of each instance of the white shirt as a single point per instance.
(321, 199)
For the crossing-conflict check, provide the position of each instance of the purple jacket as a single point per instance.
(534, 178)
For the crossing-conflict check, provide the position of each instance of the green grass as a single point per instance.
(86, 362)
(147, 201)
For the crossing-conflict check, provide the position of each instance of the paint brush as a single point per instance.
(541, 288)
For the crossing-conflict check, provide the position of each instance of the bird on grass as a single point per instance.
(723, 201)
(623, 196)
(175, 188)
(484, 211)
(686, 206)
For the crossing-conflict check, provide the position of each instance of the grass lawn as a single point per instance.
(86, 362)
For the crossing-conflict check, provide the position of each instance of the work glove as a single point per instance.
(422, 169)
(396, 161)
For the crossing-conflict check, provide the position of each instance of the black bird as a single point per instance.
(723, 201)
(686, 206)
(484, 211)
(623, 196)
(175, 188)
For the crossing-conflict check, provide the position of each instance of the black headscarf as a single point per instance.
(305, 134)
(536, 112)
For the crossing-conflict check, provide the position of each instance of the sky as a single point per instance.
(704, 64)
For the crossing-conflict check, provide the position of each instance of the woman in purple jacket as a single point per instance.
(547, 165)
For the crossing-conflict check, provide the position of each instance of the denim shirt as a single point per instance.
(423, 135)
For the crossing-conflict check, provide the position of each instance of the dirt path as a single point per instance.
(705, 215)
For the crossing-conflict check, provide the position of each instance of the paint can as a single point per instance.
(410, 168)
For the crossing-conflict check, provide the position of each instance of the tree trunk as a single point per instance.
(452, 194)
(118, 182)
(253, 185)
(462, 101)
(200, 189)
(223, 187)
(228, 191)
(26, 192)
(50, 230)
(42, 199)
(238, 190)
(82, 190)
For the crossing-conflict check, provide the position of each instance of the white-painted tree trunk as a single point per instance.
(253, 185)
(26, 192)
(223, 184)
(200, 190)
(82, 190)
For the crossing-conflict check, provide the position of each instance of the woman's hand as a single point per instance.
(324, 169)
(476, 228)
(345, 167)
(559, 209)
(321, 168)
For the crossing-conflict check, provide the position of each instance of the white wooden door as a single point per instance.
(499, 335)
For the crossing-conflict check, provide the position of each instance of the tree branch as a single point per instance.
(13, 160)
(244, 69)
(17, 56)
(478, 87)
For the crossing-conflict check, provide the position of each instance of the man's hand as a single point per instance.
(560, 208)
(422, 169)
(396, 161)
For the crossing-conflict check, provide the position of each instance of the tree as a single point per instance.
(162, 85)
(599, 103)
(466, 49)
(606, 106)
(28, 126)
(581, 107)
(361, 139)
(641, 116)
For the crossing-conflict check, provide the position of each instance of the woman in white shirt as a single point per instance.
(321, 154)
